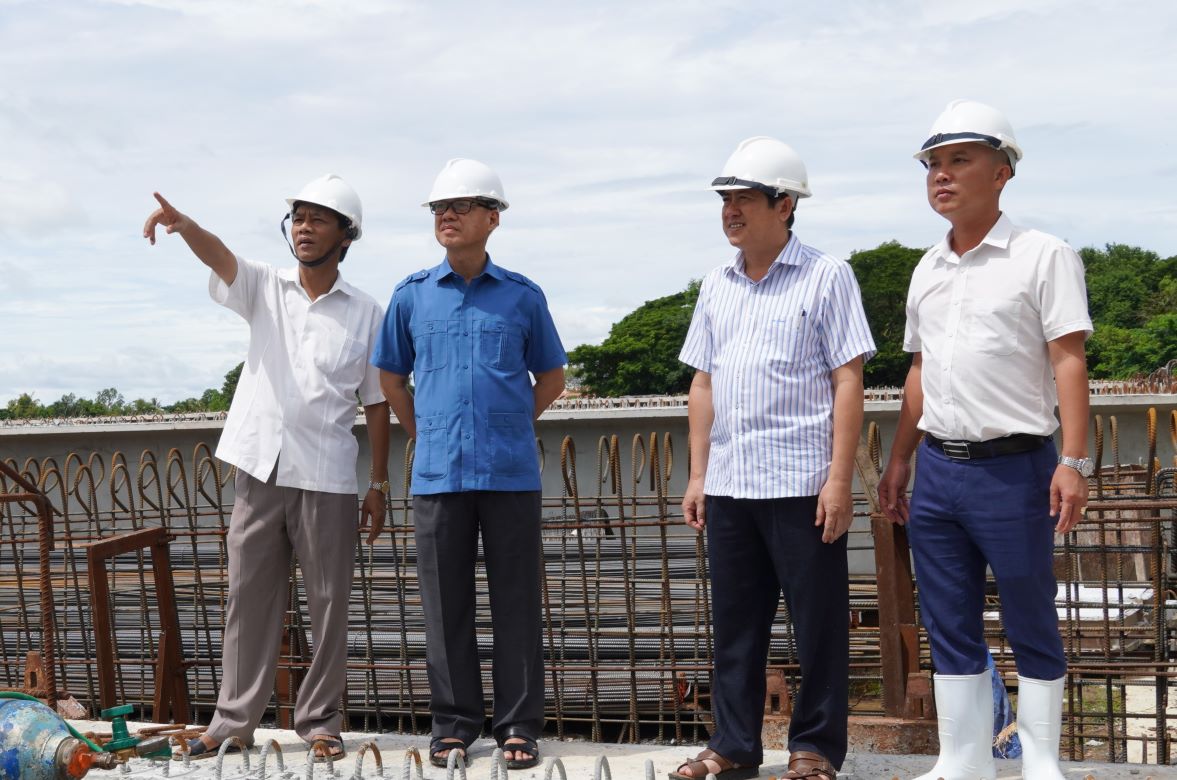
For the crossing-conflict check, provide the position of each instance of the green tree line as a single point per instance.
(1131, 292)
(110, 402)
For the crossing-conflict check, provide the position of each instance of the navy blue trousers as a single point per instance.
(995, 511)
(757, 548)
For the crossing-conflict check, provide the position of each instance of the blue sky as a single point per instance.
(605, 120)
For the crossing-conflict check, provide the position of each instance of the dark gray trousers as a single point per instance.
(447, 530)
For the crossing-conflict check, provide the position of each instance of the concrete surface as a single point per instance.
(626, 762)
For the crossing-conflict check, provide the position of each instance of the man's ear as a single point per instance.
(785, 207)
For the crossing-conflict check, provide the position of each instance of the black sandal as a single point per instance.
(439, 744)
(525, 745)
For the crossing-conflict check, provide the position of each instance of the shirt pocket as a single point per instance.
(431, 459)
(786, 342)
(328, 346)
(512, 444)
(431, 343)
(353, 362)
(994, 326)
(500, 344)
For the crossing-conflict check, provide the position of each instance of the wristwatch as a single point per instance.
(1083, 465)
(381, 486)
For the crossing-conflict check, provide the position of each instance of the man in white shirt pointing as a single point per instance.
(289, 433)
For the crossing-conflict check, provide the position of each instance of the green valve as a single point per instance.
(121, 738)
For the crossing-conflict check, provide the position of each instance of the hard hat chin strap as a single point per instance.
(307, 263)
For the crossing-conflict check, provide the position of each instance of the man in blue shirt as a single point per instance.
(470, 331)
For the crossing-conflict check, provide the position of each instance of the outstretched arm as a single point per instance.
(207, 247)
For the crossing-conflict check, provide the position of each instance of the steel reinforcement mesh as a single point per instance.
(627, 615)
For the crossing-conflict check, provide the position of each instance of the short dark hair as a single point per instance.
(344, 222)
(773, 201)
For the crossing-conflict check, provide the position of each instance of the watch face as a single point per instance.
(1084, 466)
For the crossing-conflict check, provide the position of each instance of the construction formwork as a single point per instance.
(627, 616)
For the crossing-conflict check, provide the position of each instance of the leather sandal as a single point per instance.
(525, 745)
(334, 747)
(439, 745)
(807, 764)
(198, 750)
(727, 770)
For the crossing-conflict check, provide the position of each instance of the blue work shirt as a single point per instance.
(469, 348)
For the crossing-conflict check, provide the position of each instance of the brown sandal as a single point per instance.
(807, 764)
(727, 770)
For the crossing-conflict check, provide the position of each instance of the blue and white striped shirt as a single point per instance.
(770, 347)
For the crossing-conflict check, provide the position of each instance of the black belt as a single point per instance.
(971, 450)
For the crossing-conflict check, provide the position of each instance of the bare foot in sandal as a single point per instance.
(333, 744)
(710, 762)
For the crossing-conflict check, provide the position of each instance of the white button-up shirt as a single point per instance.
(295, 404)
(770, 347)
(982, 321)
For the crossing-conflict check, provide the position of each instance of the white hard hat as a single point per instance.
(765, 164)
(965, 121)
(462, 178)
(334, 193)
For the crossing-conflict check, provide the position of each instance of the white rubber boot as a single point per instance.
(964, 718)
(1040, 722)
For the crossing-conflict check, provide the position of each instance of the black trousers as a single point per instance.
(447, 528)
(757, 548)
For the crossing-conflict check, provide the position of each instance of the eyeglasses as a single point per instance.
(463, 206)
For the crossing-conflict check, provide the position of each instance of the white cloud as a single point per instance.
(605, 120)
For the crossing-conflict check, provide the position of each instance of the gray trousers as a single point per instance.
(267, 524)
(447, 530)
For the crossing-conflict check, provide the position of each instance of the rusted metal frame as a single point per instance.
(657, 483)
(206, 469)
(171, 699)
(366, 577)
(898, 632)
(181, 500)
(45, 511)
(70, 566)
(568, 473)
(293, 658)
(628, 573)
(120, 478)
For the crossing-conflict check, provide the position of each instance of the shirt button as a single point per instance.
(467, 436)
(465, 333)
(465, 368)
(466, 401)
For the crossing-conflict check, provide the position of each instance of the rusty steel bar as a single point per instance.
(45, 547)
(627, 634)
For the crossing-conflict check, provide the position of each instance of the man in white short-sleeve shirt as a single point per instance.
(289, 433)
(996, 321)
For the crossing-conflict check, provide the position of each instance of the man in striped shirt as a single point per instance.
(778, 340)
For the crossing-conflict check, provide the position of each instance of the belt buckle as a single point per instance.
(957, 450)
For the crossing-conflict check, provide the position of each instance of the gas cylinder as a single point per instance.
(36, 745)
